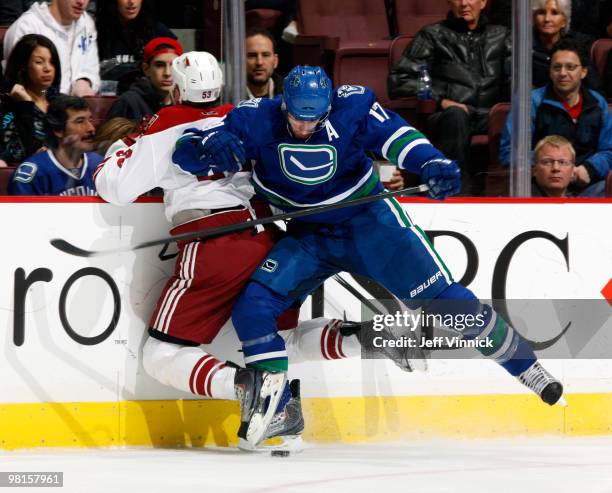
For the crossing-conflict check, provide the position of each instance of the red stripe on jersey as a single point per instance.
(170, 116)
(209, 379)
(331, 344)
(324, 336)
(339, 337)
(203, 377)
(196, 370)
(338, 346)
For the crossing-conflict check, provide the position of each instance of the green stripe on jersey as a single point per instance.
(366, 188)
(273, 365)
(426, 238)
(399, 144)
(278, 201)
(497, 337)
(405, 218)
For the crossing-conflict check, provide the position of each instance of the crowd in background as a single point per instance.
(79, 48)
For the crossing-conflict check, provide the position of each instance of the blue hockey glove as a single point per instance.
(201, 153)
(443, 177)
(189, 154)
(225, 149)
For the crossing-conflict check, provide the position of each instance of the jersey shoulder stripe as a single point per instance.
(179, 114)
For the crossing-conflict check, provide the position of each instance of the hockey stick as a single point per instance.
(406, 358)
(71, 249)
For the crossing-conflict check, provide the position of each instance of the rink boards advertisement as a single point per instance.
(74, 329)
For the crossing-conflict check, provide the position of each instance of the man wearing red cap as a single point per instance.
(148, 95)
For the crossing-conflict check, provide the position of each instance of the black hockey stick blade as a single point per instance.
(71, 249)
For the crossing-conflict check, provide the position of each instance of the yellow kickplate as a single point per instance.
(328, 420)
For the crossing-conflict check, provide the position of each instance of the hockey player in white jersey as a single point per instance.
(197, 300)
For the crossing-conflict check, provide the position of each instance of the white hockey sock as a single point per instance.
(318, 339)
(189, 369)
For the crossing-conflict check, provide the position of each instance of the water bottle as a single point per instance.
(424, 84)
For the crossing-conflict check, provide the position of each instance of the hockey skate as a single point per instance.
(544, 384)
(259, 393)
(286, 426)
(407, 359)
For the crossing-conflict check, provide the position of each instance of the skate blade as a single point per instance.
(272, 387)
(561, 402)
(291, 443)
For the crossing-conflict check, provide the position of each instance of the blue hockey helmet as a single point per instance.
(307, 93)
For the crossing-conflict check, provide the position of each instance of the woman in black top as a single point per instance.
(124, 27)
(32, 77)
(551, 22)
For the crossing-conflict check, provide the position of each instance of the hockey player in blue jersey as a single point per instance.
(67, 167)
(308, 148)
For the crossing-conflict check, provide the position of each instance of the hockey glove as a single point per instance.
(203, 153)
(443, 177)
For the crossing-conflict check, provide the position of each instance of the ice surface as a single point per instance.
(515, 466)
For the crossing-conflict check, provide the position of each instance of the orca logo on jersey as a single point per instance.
(269, 265)
(250, 103)
(347, 90)
(308, 164)
(25, 173)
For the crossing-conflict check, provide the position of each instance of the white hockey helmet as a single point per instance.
(198, 76)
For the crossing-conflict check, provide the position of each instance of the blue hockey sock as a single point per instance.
(508, 347)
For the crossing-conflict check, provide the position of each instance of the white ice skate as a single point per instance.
(544, 384)
(259, 393)
(286, 426)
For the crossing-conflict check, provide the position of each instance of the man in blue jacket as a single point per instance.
(566, 108)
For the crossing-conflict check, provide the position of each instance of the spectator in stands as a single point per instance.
(261, 61)
(551, 21)
(553, 167)
(469, 61)
(67, 167)
(32, 77)
(10, 10)
(124, 28)
(113, 130)
(589, 17)
(566, 108)
(73, 32)
(285, 30)
(148, 95)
